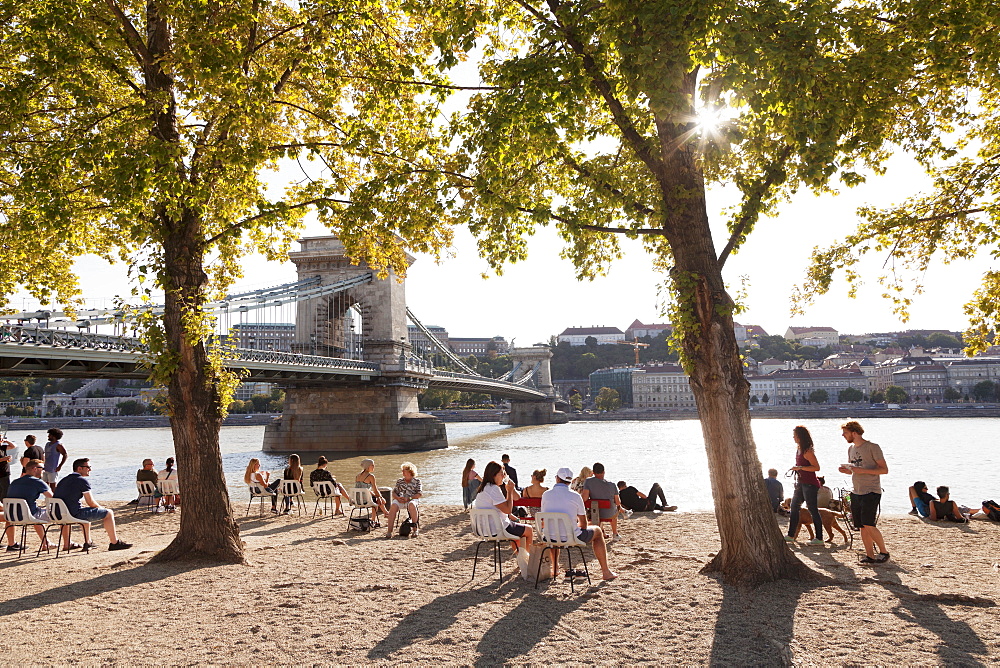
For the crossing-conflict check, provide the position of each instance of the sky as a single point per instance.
(540, 297)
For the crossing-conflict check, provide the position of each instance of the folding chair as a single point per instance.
(557, 531)
(147, 491)
(487, 526)
(292, 489)
(18, 514)
(59, 517)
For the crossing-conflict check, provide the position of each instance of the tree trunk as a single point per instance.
(207, 529)
(753, 550)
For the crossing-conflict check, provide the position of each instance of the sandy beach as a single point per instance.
(313, 593)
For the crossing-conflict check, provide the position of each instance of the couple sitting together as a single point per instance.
(942, 508)
(496, 492)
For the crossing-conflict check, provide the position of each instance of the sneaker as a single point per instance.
(816, 541)
(628, 513)
(616, 537)
(913, 512)
(14, 547)
(789, 539)
(120, 545)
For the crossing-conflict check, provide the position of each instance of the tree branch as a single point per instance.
(132, 37)
(646, 231)
(264, 214)
(751, 208)
(639, 207)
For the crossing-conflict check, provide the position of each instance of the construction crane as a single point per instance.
(636, 345)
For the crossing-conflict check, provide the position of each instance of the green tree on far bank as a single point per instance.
(820, 396)
(984, 391)
(894, 394)
(952, 395)
(850, 395)
(608, 399)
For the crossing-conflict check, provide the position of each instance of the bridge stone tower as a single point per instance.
(376, 415)
(538, 411)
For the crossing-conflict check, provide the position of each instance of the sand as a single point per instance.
(313, 593)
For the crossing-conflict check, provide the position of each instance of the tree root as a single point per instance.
(183, 550)
(791, 569)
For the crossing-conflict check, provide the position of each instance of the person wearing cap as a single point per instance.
(496, 492)
(561, 499)
(366, 480)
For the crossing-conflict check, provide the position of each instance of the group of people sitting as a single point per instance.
(924, 504)
(590, 484)
(404, 495)
(164, 502)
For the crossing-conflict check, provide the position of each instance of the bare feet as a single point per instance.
(608, 575)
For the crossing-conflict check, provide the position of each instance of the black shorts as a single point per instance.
(516, 529)
(864, 509)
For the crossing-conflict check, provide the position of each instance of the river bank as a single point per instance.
(312, 593)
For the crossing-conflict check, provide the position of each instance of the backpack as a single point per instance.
(992, 509)
(361, 524)
(406, 528)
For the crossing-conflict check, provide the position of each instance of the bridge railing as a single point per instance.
(479, 379)
(277, 357)
(60, 338)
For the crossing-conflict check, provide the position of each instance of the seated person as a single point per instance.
(920, 499)
(170, 501)
(946, 509)
(148, 474)
(536, 488)
(322, 474)
(596, 488)
(405, 495)
(74, 488)
(775, 490)
(496, 492)
(561, 499)
(29, 487)
(635, 500)
(825, 495)
(254, 476)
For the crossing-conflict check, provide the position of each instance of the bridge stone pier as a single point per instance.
(524, 412)
(373, 415)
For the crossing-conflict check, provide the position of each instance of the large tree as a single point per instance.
(143, 131)
(614, 118)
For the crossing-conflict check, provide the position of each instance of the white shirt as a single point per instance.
(490, 498)
(167, 475)
(561, 499)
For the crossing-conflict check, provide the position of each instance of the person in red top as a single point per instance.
(806, 486)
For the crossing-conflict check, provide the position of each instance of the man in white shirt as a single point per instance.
(561, 499)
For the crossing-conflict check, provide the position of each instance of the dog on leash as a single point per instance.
(829, 517)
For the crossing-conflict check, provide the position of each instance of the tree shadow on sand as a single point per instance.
(531, 621)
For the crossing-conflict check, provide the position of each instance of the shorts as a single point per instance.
(864, 508)
(91, 514)
(515, 529)
(586, 535)
(50, 477)
(403, 505)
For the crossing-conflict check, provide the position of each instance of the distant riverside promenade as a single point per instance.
(118, 422)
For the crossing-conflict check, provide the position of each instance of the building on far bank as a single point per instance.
(479, 346)
(577, 336)
(795, 387)
(616, 378)
(637, 330)
(276, 336)
(819, 337)
(421, 344)
(660, 386)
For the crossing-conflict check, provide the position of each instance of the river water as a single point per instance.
(959, 452)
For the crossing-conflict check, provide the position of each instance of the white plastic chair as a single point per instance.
(258, 491)
(327, 494)
(292, 489)
(169, 487)
(18, 514)
(487, 526)
(557, 531)
(361, 500)
(59, 516)
(147, 491)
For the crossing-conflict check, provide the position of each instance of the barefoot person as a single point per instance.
(866, 466)
(561, 499)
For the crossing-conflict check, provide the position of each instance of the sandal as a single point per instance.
(881, 557)
(865, 559)
(73, 546)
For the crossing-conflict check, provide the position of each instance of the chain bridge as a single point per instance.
(351, 376)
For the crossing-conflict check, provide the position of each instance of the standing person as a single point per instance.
(75, 488)
(8, 454)
(775, 490)
(806, 486)
(867, 463)
(561, 499)
(511, 471)
(55, 457)
(470, 484)
(597, 488)
(31, 451)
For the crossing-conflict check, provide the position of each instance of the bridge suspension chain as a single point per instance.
(437, 344)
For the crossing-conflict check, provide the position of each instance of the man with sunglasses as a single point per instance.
(29, 487)
(74, 488)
